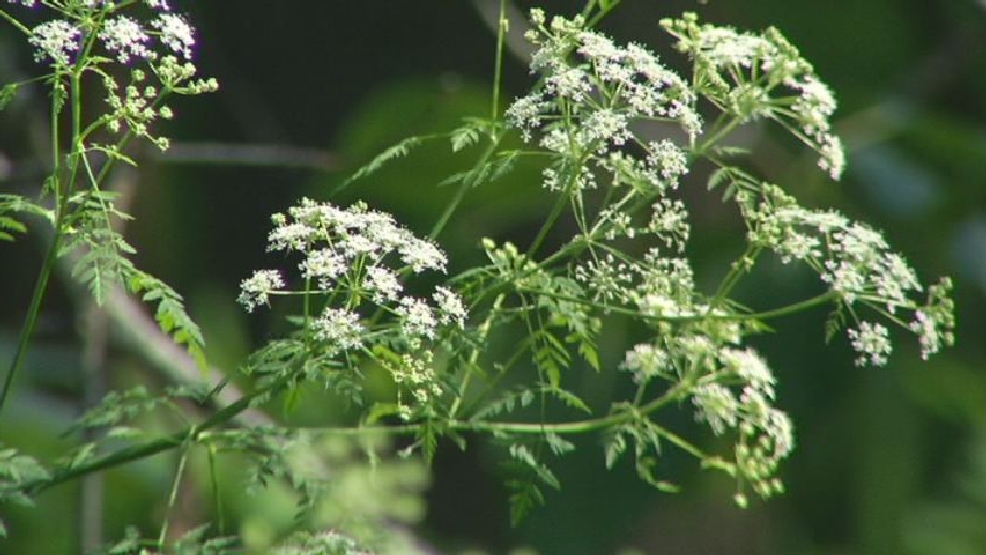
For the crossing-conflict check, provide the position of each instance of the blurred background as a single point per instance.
(889, 460)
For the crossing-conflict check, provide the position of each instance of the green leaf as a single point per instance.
(12, 225)
(567, 397)
(717, 178)
(428, 437)
(506, 403)
(589, 352)
(380, 410)
(524, 497)
(559, 446)
(730, 151)
(398, 150)
(17, 472)
(835, 322)
(7, 94)
(170, 314)
(614, 447)
(463, 137)
(523, 455)
(550, 356)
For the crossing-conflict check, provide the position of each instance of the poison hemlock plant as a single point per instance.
(363, 286)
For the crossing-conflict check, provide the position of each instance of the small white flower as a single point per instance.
(669, 159)
(383, 284)
(717, 406)
(417, 319)
(872, 342)
(606, 126)
(669, 221)
(932, 331)
(293, 236)
(450, 307)
(256, 289)
(572, 83)
(833, 158)
(646, 361)
(325, 265)
(422, 255)
(340, 328)
(125, 36)
(55, 40)
(607, 279)
(751, 368)
(176, 33)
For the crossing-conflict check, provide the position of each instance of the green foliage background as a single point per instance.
(889, 461)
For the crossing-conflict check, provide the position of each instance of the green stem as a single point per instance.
(157, 446)
(502, 27)
(576, 427)
(548, 224)
(817, 300)
(467, 184)
(217, 498)
(10, 19)
(718, 133)
(786, 310)
(61, 207)
(741, 266)
(173, 496)
(483, 333)
(32, 315)
(672, 395)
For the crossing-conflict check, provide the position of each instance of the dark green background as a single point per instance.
(889, 461)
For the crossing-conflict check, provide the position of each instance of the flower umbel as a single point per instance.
(55, 40)
(354, 263)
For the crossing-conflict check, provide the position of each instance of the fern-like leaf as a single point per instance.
(550, 356)
(16, 204)
(466, 135)
(525, 496)
(170, 314)
(835, 322)
(506, 403)
(398, 150)
(570, 399)
(7, 94)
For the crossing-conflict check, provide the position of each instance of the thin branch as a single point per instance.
(489, 12)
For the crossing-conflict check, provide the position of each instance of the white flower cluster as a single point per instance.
(657, 286)
(255, 290)
(165, 43)
(646, 362)
(756, 76)
(872, 342)
(855, 261)
(124, 37)
(734, 391)
(766, 435)
(934, 323)
(354, 257)
(56, 40)
(592, 91)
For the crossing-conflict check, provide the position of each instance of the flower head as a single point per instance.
(125, 36)
(55, 40)
(257, 288)
(176, 33)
